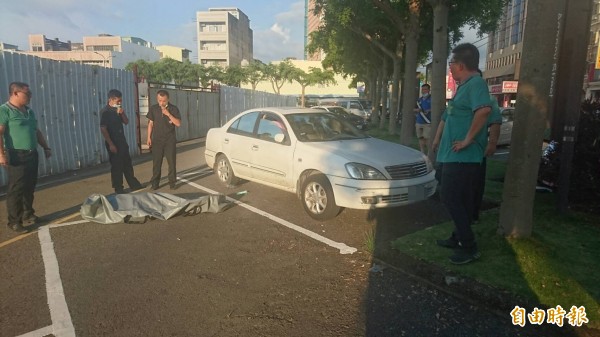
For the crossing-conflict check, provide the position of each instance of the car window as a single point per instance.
(319, 127)
(244, 125)
(270, 125)
(355, 105)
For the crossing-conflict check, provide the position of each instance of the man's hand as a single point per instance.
(3, 159)
(112, 148)
(490, 149)
(47, 152)
(149, 142)
(435, 145)
(165, 111)
(459, 145)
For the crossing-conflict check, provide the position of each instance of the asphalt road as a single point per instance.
(261, 268)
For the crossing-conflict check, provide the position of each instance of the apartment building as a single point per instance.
(505, 46)
(224, 37)
(175, 53)
(592, 78)
(102, 50)
(311, 24)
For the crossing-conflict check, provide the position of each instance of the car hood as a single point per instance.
(371, 151)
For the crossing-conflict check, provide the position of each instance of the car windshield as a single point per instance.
(319, 127)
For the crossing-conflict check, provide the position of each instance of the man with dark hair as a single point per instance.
(461, 150)
(163, 117)
(19, 137)
(423, 120)
(111, 125)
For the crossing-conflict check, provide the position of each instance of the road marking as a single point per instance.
(343, 248)
(39, 332)
(56, 225)
(15, 239)
(62, 325)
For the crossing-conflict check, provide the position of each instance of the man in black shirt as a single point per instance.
(162, 120)
(111, 125)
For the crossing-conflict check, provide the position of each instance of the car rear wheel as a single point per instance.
(318, 199)
(225, 172)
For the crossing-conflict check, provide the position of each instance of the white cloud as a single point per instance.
(284, 38)
(284, 33)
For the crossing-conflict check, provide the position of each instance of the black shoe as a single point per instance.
(154, 187)
(31, 219)
(173, 186)
(464, 256)
(448, 243)
(18, 228)
(120, 191)
(137, 188)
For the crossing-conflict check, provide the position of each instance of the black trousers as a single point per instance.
(121, 165)
(164, 148)
(22, 173)
(457, 195)
(479, 188)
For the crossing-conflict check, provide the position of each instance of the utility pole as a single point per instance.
(571, 68)
(537, 85)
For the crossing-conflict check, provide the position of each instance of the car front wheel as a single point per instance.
(318, 199)
(225, 172)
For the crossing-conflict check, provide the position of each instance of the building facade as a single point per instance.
(312, 23)
(102, 50)
(505, 46)
(224, 37)
(175, 53)
(592, 78)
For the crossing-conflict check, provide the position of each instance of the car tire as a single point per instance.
(224, 172)
(318, 199)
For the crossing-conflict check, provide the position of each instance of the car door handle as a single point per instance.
(254, 147)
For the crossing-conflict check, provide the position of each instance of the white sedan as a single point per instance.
(322, 158)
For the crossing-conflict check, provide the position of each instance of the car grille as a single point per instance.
(407, 171)
(403, 197)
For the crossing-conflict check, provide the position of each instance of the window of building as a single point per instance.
(213, 45)
(212, 27)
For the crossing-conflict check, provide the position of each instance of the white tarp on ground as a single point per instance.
(137, 207)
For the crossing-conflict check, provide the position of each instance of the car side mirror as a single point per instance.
(279, 137)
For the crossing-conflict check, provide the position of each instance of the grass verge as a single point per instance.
(557, 265)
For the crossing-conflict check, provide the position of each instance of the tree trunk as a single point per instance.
(384, 91)
(571, 68)
(536, 87)
(407, 130)
(302, 103)
(375, 93)
(438, 77)
(396, 86)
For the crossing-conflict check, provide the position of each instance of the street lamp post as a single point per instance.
(104, 59)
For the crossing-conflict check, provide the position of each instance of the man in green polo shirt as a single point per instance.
(19, 137)
(461, 149)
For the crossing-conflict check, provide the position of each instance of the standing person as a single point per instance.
(163, 118)
(423, 121)
(461, 149)
(111, 125)
(19, 137)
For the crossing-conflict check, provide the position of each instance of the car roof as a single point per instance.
(287, 110)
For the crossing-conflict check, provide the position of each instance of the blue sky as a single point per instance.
(278, 25)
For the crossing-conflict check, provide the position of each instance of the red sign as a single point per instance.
(495, 89)
(509, 87)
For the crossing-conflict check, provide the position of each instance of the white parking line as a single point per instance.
(343, 248)
(59, 312)
(39, 332)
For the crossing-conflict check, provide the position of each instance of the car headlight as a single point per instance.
(364, 172)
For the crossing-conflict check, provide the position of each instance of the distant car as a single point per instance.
(359, 122)
(506, 127)
(353, 105)
(321, 157)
